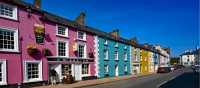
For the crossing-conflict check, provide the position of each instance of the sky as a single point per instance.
(170, 23)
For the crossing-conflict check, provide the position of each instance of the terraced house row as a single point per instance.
(33, 42)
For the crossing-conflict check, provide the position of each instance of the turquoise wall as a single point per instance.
(111, 62)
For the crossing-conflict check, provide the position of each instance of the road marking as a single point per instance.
(159, 85)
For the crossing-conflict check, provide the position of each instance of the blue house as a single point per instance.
(113, 55)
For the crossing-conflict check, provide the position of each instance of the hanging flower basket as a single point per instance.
(91, 55)
(46, 52)
(32, 50)
(39, 29)
(39, 33)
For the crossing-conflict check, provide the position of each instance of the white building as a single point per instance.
(187, 58)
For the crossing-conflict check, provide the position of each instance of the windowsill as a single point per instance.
(106, 59)
(64, 36)
(84, 40)
(3, 83)
(33, 80)
(85, 75)
(9, 18)
(10, 51)
(126, 60)
(116, 59)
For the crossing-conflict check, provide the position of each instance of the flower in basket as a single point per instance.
(39, 29)
(91, 55)
(46, 52)
(32, 49)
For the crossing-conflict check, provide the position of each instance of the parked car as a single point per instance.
(164, 70)
(196, 68)
(178, 67)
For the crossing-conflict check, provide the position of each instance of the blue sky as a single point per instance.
(170, 23)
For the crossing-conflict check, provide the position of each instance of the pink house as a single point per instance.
(33, 42)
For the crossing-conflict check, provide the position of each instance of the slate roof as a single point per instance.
(63, 21)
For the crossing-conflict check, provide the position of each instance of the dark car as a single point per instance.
(164, 70)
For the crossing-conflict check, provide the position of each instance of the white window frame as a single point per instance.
(106, 53)
(116, 44)
(85, 49)
(26, 80)
(16, 40)
(67, 48)
(84, 35)
(125, 68)
(15, 16)
(125, 56)
(117, 56)
(106, 68)
(66, 31)
(105, 42)
(88, 70)
(4, 72)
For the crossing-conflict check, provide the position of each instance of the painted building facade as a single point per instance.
(33, 43)
(144, 61)
(113, 58)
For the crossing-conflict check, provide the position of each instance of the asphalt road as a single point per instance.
(154, 81)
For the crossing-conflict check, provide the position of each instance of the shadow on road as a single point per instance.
(186, 80)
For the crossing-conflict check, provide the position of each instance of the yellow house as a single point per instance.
(144, 61)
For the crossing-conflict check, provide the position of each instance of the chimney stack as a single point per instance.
(37, 3)
(115, 33)
(81, 18)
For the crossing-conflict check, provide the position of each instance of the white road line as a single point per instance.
(158, 86)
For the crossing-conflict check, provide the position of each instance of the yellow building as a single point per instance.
(144, 61)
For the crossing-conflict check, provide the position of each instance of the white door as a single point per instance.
(116, 70)
(77, 71)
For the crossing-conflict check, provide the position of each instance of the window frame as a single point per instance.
(15, 11)
(66, 48)
(116, 57)
(106, 54)
(4, 72)
(16, 40)
(40, 73)
(66, 31)
(106, 69)
(85, 51)
(88, 72)
(84, 35)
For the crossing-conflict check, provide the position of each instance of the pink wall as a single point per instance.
(25, 26)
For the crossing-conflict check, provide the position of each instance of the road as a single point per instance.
(156, 81)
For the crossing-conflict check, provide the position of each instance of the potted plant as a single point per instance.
(32, 50)
(46, 52)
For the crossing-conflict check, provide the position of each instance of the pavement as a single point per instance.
(86, 83)
(178, 79)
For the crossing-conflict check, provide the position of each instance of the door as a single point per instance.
(57, 68)
(77, 71)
